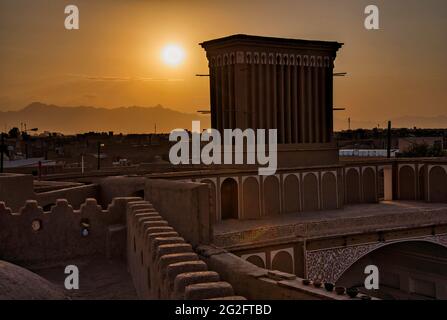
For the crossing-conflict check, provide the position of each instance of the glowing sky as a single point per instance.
(114, 59)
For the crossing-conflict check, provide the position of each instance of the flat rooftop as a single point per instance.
(352, 219)
(270, 41)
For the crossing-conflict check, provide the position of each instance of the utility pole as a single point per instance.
(349, 123)
(2, 147)
(99, 155)
(388, 151)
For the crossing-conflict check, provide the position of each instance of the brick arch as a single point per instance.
(291, 194)
(437, 184)
(352, 181)
(381, 183)
(229, 199)
(250, 190)
(383, 245)
(330, 264)
(213, 197)
(407, 183)
(283, 261)
(329, 195)
(271, 195)
(369, 185)
(310, 192)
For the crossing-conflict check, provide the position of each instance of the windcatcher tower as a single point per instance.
(276, 83)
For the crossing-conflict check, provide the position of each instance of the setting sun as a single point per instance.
(173, 55)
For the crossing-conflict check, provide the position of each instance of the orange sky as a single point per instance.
(114, 59)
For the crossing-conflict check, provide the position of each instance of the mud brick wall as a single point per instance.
(33, 236)
(163, 265)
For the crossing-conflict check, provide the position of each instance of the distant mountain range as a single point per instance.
(70, 120)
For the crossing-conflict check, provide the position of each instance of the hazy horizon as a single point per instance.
(142, 119)
(113, 60)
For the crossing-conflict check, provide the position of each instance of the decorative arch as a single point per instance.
(250, 196)
(352, 185)
(310, 192)
(229, 199)
(258, 259)
(330, 264)
(272, 204)
(437, 184)
(407, 183)
(369, 185)
(329, 195)
(291, 194)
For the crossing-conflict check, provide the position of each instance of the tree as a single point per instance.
(14, 133)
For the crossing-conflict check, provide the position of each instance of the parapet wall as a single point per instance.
(120, 186)
(185, 205)
(163, 265)
(256, 283)
(34, 237)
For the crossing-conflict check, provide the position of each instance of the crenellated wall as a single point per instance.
(163, 265)
(426, 181)
(33, 236)
(185, 205)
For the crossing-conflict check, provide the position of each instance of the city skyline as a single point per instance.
(114, 60)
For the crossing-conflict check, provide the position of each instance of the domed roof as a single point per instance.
(17, 283)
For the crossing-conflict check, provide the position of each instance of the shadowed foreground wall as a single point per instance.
(257, 283)
(76, 196)
(163, 265)
(17, 283)
(59, 237)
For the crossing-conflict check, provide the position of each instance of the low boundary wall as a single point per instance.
(35, 237)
